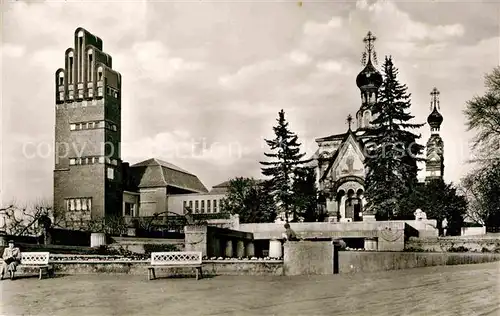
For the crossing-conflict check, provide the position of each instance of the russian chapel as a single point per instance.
(339, 158)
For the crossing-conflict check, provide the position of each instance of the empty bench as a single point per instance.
(165, 260)
(39, 260)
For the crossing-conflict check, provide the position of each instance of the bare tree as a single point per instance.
(483, 116)
(33, 219)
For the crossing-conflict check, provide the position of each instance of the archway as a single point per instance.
(352, 203)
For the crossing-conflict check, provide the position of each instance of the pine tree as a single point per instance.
(285, 150)
(393, 152)
(305, 205)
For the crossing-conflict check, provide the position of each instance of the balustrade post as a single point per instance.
(240, 249)
(229, 248)
(250, 249)
(275, 248)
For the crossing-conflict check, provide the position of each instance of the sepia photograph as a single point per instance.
(250, 157)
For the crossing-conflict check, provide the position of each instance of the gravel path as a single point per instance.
(449, 290)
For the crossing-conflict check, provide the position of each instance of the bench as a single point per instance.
(39, 260)
(162, 260)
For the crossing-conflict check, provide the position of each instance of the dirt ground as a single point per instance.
(449, 290)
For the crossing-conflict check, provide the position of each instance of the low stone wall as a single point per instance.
(473, 231)
(243, 267)
(354, 261)
(444, 244)
(308, 257)
(210, 268)
(349, 262)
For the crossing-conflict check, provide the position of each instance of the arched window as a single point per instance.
(70, 67)
(60, 79)
(99, 74)
(89, 65)
(80, 56)
(367, 118)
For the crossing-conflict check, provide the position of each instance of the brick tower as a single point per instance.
(435, 147)
(87, 173)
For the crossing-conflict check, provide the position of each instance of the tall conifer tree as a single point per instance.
(285, 151)
(392, 152)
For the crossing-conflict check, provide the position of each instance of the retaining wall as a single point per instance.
(443, 244)
(354, 261)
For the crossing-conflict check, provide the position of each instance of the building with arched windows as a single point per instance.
(339, 158)
(90, 179)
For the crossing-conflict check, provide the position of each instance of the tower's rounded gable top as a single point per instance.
(369, 76)
(90, 38)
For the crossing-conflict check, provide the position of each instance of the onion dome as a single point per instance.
(369, 77)
(435, 119)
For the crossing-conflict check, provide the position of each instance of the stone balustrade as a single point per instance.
(218, 242)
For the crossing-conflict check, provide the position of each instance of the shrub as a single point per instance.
(485, 250)
(413, 249)
(458, 249)
(149, 248)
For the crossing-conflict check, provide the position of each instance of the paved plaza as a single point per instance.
(450, 290)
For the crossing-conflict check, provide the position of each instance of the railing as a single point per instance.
(491, 229)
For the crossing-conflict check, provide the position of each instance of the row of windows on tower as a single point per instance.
(90, 93)
(93, 125)
(79, 204)
(201, 210)
(92, 161)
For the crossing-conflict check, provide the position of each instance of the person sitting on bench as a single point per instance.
(11, 259)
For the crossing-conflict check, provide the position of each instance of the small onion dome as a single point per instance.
(435, 119)
(369, 76)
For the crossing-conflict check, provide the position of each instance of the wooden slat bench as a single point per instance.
(187, 259)
(39, 260)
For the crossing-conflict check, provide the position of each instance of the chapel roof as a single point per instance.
(158, 173)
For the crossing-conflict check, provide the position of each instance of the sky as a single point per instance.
(203, 81)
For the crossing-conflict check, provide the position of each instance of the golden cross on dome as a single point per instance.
(370, 49)
(349, 120)
(435, 98)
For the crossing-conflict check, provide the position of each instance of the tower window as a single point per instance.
(111, 173)
(70, 70)
(89, 76)
(80, 58)
(99, 74)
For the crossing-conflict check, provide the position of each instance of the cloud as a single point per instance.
(152, 60)
(330, 66)
(299, 58)
(313, 28)
(180, 146)
(10, 50)
(220, 75)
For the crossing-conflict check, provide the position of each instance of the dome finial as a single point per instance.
(369, 77)
(369, 49)
(349, 120)
(434, 98)
(435, 119)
